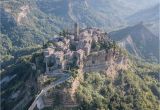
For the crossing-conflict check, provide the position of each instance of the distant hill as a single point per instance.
(149, 16)
(85, 12)
(146, 15)
(107, 14)
(138, 40)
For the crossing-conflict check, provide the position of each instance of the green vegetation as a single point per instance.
(127, 92)
(96, 46)
(64, 33)
(49, 80)
(25, 79)
(68, 83)
(36, 28)
(72, 47)
(23, 71)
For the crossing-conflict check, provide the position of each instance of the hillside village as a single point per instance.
(88, 49)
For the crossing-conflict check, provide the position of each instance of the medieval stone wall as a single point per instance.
(96, 61)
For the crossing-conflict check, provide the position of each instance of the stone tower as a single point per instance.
(76, 31)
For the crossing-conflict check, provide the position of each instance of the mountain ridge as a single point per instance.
(145, 43)
(148, 16)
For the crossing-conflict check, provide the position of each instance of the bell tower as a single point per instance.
(76, 31)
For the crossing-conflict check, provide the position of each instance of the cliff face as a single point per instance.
(71, 100)
(19, 10)
(23, 13)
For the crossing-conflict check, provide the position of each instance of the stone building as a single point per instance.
(59, 59)
(95, 61)
(96, 58)
(80, 55)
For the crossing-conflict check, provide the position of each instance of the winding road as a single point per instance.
(64, 78)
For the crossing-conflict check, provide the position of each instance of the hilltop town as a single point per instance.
(88, 49)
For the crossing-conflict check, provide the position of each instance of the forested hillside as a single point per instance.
(24, 25)
(130, 90)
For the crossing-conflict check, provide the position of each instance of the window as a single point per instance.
(93, 62)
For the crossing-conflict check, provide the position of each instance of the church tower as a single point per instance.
(76, 31)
